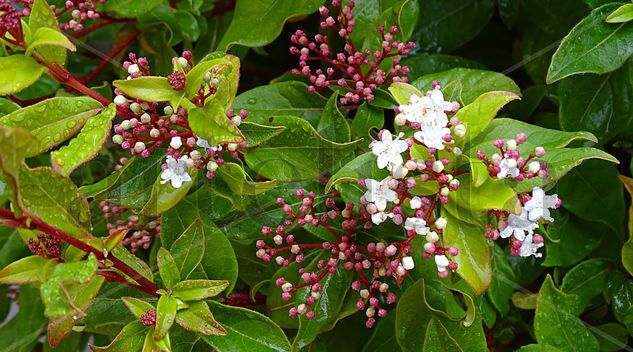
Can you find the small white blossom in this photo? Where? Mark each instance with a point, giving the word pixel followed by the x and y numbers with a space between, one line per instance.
pixel 528 247
pixel 399 172
pixel 380 217
pixel 176 171
pixel 407 263
pixel 416 224
pixel 203 143
pixel 442 263
pixel 176 142
pixel 132 69
pixel 534 167
pixel 388 150
pixel 441 223
pixel 518 226
pixel 508 168
pixel 415 203
pixel 379 193
pixel 432 136
pixel 538 207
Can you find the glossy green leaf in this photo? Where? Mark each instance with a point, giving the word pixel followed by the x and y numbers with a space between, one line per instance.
pixel 446 25
pixel 363 166
pixel 332 124
pixel 611 337
pixel 503 282
pixel 129 339
pixel 474 259
pixel 622 304
pixel 137 306
pixel 592 46
pixel 246 330
pixel 198 319
pixel 52 121
pixel 45 36
pixel 402 92
pixel 465 85
pixel 211 124
pixel 151 88
pixel 587 279
pixel 556 321
pixel 195 76
pixel 187 249
pixel 131 8
pixel 238 181
pixel 165 196
pixel 257 24
pixel 42 16
pixel 197 290
pixel 31 269
pixel 18 72
pixel 168 269
pixel 470 200
pixel 7 106
pixel 366 119
pixel 21 333
pixel 538 348
pixel 525 301
pixel 256 134
pixel 623 13
pixel 15 144
pixel 56 200
pixel 281 99
pixel 299 153
pixel 165 316
pixel 383 338
pixel 477 115
pixel 133 261
pixel 86 145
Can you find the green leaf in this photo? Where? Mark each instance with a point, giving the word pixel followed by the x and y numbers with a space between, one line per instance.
pixel 63 286
pixel 281 99
pixel 131 8
pixel 299 153
pixel 246 330
pixel 151 88
pixel 420 64
pixel 18 72
pixel 56 200
pixel 129 339
pixel 226 71
pixel 503 282
pixel 587 279
pixel 622 304
pixel 623 13
pixel 474 259
pixel 7 106
pixel 187 251
pixel 238 181
pixel 86 145
pixel 477 115
pixel 492 194
pixel 197 290
pixel 363 166
pixel 52 121
pixel 31 269
pixel 167 267
pixel 332 124
pixel 15 144
pixel 133 261
pixel 198 319
pixel 583 50
pixel 525 301
pixel 165 316
pixel 611 337
pixel 627 249
pixel 211 124
pixel 21 333
pixel 136 306
pixel 45 36
pixel 366 119
pixel 402 92
pixel 538 348
pixel 165 196
pixel 257 24
pixel 465 85
pixel 556 320
pixel 383 338
pixel 600 104
pixel 42 16
pixel 256 134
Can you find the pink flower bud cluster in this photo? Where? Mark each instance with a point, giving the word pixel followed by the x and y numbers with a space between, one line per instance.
pixel 139 235
pixel 80 11
pixel 45 246
pixel 509 163
pixel 149 318
pixel 148 125
pixel 378 266
pixel 10 25
pixel 358 72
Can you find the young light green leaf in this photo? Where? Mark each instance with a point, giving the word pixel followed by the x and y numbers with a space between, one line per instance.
pixel 129 339
pixel 188 249
pixel 15 144
pixel 31 269
pixel 136 306
pixel 164 196
pixel 45 36
pixel 363 166
pixel 86 145
pixel 477 115
pixel 42 16
pixel 168 269
pixel 52 121
pixel 165 316
pixel 402 92
pixel 622 14
pixel 198 319
pixel 151 88
pixel 211 124
pixel 18 72
pixel 583 50
pixel 197 290
pixel 238 181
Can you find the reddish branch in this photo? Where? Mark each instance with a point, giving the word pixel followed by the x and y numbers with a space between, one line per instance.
pixel 106 60
pixel 34 223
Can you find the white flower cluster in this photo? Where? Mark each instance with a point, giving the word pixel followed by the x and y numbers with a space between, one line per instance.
pixel 175 170
pixel 522 226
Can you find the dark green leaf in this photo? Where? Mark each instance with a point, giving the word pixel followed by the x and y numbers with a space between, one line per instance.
pixel 187 249
pixel 332 124
pixel 131 8
pixel 239 182
pixel 366 119
pixel 503 282
pixel 21 333
pixel 587 279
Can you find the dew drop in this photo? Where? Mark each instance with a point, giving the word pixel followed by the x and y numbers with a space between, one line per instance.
pixel 39 108
pixel 252 101
pixel 71 124
pixel 57 137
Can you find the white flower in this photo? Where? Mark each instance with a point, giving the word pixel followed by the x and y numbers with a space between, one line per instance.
pixel 442 263
pixel 379 193
pixel 528 247
pixel 416 224
pixel 415 203
pixel 518 225
pixel 176 142
pixel 176 171
pixel 432 136
pixel 399 172
pixel 380 217
pixel 388 150
pixel 441 223
pixel 407 263
pixel 538 207
pixel 203 143
pixel 508 167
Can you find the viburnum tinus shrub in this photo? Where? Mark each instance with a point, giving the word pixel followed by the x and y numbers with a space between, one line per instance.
pixel 302 175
